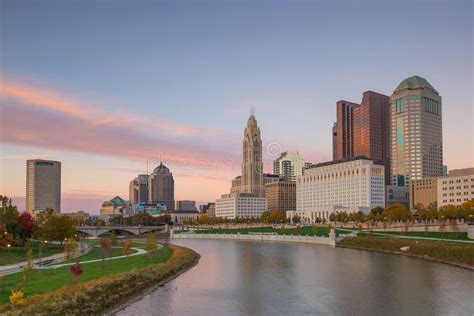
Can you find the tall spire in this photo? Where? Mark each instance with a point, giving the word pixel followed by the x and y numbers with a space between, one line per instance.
pixel 252 110
pixel 252 165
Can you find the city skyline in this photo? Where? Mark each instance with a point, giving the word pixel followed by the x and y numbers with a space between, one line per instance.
pixel 52 105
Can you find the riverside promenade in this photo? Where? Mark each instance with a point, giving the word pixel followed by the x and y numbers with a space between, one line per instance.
pixel 328 241
pixel 83 249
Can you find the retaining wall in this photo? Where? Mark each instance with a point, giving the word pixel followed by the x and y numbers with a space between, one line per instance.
pixel 329 241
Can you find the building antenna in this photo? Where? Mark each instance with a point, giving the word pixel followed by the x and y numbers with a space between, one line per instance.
pixel 252 110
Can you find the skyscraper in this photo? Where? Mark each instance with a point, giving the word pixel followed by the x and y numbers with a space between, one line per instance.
pixel 416 132
pixel 138 190
pixel 161 187
pixel 43 185
pixel 364 130
pixel 252 164
pixel 343 136
pixel 289 165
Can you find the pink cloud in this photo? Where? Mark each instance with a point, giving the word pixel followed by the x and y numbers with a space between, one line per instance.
pixel 54 101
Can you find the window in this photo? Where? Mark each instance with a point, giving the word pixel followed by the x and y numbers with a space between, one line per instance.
pixel 399 104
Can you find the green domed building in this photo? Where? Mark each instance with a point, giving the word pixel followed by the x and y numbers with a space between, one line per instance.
pixel 416 132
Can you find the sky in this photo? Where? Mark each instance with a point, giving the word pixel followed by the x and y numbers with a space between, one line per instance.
pixel 111 88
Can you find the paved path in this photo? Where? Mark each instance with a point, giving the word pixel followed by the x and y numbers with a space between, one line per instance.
pixel 139 252
pixel 84 248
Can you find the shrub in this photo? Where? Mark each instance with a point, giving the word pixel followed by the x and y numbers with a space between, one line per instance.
pixel 92 297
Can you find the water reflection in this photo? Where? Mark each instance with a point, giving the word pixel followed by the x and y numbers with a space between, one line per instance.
pixel 236 278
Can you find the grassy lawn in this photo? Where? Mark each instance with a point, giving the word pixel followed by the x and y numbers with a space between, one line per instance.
pixel 18 254
pixel 446 235
pixel 321 231
pixel 52 279
pixel 96 254
pixel 462 253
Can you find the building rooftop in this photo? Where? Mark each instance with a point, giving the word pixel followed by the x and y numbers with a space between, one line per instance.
pixel 333 162
pixel 161 169
pixel 413 83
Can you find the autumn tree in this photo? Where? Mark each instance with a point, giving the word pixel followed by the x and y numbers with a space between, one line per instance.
pixel 70 248
pixel 315 229
pixel 113 239
pixel 454 226
pixel 26 224
pixel 54 227
pixel 76 270
pixel 105 251
pixel 127 247
pixel 151 244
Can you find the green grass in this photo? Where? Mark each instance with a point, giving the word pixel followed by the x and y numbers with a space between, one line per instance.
pixel 306 230
pixel 51 279
pixel 462 253
pixel 446 235
pixel 18 254
pixel 96 254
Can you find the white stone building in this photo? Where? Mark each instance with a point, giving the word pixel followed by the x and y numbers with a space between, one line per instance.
pixel 456 188
pixel 351 185
pixel 240 205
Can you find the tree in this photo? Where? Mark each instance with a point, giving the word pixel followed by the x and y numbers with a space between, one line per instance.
pixel 442 227
pixel 5 237
pixel 9 215
pixel 52 226
pixel 377 211
pixel 397 212
pixel 298 229
pixel 105 249
pixel 296 219
pixel 315 229
pixel 26 223
pixel 454 226
pixel 151 244
pixel 113 239
pixel 332 217
pixel 70 248
pixel 29 265
pixel 76 270
pixel 127 247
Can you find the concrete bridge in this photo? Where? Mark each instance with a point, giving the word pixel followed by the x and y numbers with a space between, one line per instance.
pixel 133 230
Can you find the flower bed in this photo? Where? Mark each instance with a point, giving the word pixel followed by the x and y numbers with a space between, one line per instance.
pixel 100 294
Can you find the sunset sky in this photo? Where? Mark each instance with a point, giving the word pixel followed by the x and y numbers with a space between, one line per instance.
pixel 110 88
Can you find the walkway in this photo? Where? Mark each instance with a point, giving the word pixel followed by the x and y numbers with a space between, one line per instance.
pixel 139 252
pixel 84 248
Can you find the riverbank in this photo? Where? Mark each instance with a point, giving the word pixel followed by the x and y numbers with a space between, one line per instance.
pixel 458 254
pixel 101 294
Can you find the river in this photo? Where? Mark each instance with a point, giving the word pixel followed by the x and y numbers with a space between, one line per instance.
pixel 263 278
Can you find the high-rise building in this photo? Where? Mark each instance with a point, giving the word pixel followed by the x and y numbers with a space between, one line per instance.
pixel 138 189
pixel 43 185
pixel 364 130
pixel 455 188
pixel 343 135
pixel 186 206
pixel 240 205
pixel 289 165
pixel 161 187
pixel 416 132
pixel 281 196
pixel 423 191
pixel 252 164
pixel 351 185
